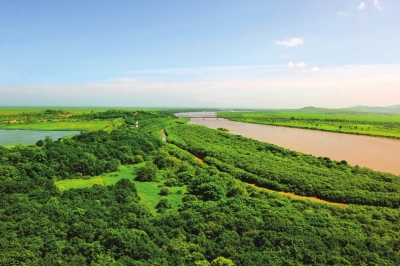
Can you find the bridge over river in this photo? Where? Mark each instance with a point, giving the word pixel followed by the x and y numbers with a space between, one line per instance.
pixel 203 115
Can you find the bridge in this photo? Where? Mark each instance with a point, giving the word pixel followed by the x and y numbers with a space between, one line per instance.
pixel 196 116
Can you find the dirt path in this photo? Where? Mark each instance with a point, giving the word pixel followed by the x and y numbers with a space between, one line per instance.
pixel 300 197
pixel 164 137
pixel 199 159
pixel 290 194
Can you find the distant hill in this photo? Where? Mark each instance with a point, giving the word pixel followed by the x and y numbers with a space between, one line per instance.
pixel 377 109
pixel 395 109
pixel 312 109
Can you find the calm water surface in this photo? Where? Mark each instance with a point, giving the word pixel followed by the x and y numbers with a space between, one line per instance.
pixel 12 137
pixel 376 153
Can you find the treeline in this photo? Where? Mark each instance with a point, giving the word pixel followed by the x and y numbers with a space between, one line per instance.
pixel 128 115
pixel 272 167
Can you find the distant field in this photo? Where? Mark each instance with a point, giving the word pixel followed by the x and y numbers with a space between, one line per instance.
pixel 148 191
pixel 57 118
pixel 12 110
pixel 59 125
pixel 335 120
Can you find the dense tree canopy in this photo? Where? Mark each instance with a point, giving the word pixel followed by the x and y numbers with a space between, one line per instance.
pixel 280 169
pixel 220 220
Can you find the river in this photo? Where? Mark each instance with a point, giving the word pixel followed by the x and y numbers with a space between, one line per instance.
pixel 13 137
pixel 379 154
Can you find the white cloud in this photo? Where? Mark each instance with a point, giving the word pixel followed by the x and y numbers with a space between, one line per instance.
pixel 290 64
pixel 291 42
pixel 315 69
pixel 300 64
pixel 361 6
pixel 374 85
pixel 377 5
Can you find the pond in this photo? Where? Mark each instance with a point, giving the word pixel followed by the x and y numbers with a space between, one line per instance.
pixel 13 137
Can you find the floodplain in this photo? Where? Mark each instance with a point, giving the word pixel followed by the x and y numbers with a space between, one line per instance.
pixel 334 120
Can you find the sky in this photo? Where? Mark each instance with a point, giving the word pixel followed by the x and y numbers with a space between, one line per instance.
pixel 200 53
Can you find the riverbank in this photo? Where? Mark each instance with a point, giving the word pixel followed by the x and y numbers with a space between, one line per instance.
pixel 386 125
pixel 326 128
pixel 379 154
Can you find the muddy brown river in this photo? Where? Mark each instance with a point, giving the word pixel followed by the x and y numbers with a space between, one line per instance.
pixel 379 154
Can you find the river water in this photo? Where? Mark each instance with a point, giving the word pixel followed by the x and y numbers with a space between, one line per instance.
pixel 379 154
pixel 12 137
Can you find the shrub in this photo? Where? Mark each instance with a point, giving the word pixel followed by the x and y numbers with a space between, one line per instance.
pixel 165 191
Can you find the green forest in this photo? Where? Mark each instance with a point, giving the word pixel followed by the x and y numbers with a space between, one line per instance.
pixel 202 197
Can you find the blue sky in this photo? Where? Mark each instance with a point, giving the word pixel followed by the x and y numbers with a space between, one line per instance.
pixel 259 54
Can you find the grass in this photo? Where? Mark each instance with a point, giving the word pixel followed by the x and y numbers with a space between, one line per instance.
pixel 104 180
pixel 62 126
pixel 36 118
pixel 149 194
pixel 334 120
pixel 78 183
pixel 148 191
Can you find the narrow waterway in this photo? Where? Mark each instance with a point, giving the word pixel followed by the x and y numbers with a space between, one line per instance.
pixel 379 154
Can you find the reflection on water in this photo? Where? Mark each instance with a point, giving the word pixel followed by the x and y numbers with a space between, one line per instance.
pixel 376 153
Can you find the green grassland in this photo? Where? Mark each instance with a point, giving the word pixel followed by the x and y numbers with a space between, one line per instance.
pixel 58 125
pixel 56 118
pixel 148 191
pixel 79 183
pixel 335 120
pixel 149 194
pixel 125 171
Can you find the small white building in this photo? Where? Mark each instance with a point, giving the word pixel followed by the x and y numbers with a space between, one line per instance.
pixel 136 125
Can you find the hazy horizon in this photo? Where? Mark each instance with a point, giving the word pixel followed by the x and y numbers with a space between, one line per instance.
pixel 202 54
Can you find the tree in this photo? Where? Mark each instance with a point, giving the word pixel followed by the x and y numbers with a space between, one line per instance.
pixel 133 243
pixel 125 191
pixel 113 165
pixel 40 143
pixel 221 261
pixel 47 140
pixel 147 173
pixel 8 171
pixel 204 188
pixel 165 191
pixel 162 205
